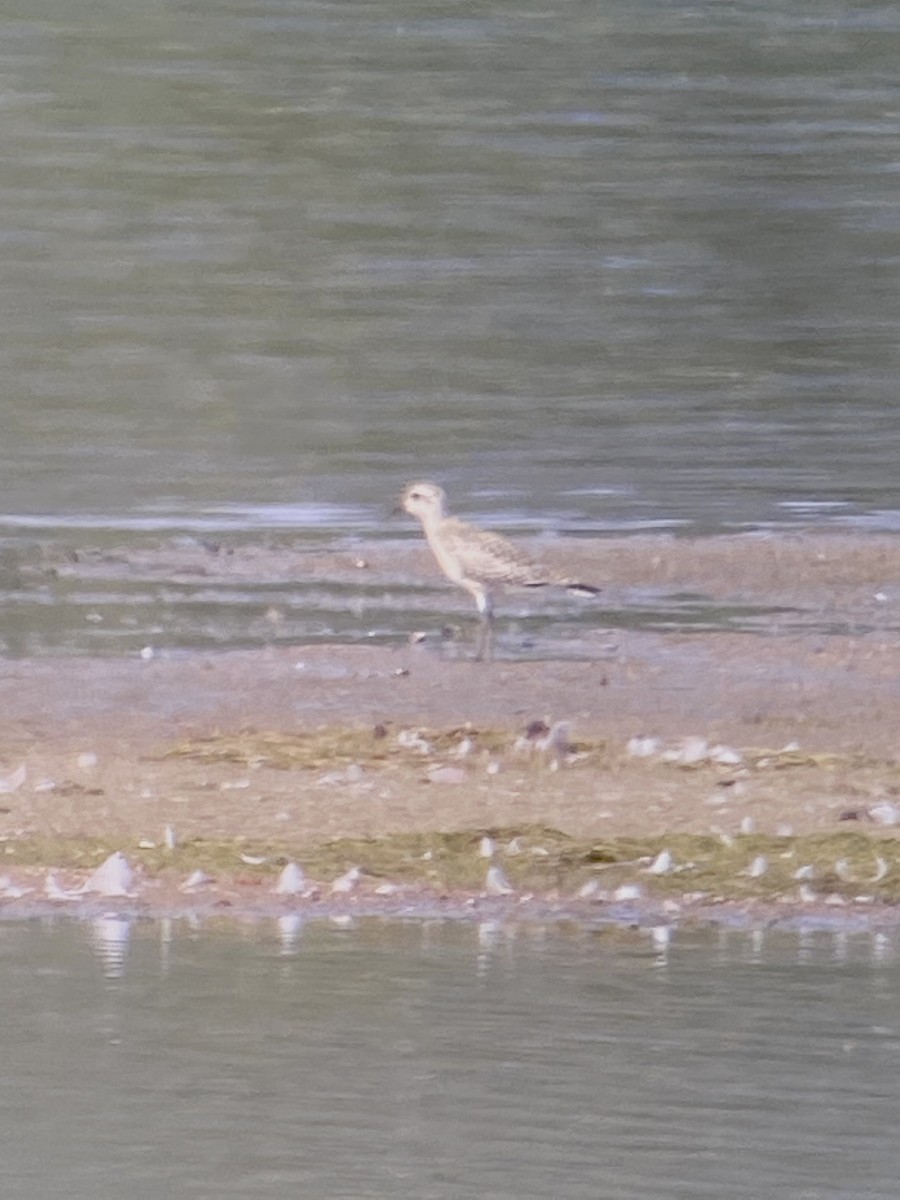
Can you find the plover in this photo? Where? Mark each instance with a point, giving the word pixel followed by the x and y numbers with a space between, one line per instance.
pixel 478 560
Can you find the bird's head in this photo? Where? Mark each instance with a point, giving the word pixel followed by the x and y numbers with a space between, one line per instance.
pixel 423 500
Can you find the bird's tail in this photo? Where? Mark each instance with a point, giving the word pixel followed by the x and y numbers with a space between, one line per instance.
pixel 572 586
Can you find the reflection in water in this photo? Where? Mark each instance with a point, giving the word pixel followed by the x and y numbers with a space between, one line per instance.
pixel 110 936
pixel 447 1059
pixel 290 927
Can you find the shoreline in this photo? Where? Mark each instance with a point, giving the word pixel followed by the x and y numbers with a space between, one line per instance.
pixel 231 905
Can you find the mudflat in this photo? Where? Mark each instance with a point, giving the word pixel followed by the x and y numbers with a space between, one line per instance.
pixel 749 741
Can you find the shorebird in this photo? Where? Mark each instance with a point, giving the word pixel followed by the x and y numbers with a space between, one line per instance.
pixel 478 560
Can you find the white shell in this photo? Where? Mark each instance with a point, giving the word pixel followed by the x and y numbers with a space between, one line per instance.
pixel 881 869
pixel 885 813
pixel 555 742
pixel 196 879
pixel 411 739
pixel 14 780
pixel 53 891
pixel 13 892
pixel 642 746
pixel 662 864
pixel 291 881
pixel 693 750
pixel 496 883
pixel 347 882
pixel 725 756
pixel 758 867
pixel 446 774
pixel 113 877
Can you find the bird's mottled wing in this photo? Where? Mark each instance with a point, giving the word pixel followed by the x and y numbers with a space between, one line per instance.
pixel 490 557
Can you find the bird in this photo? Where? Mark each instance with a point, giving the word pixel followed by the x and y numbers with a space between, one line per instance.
pixel 477 559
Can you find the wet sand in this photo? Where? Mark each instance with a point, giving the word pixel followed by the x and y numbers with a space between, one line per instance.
pixel 95 736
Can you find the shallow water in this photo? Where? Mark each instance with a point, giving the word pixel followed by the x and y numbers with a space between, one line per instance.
pixel 432 1060
pixel 263 261
pixel 180 595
